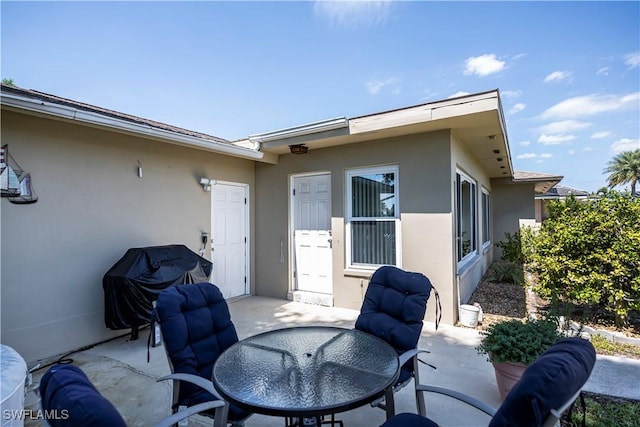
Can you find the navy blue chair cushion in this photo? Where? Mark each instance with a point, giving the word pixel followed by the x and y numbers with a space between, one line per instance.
pixel 196 328
pixel 409 420
pixel 547 384
pixel 71 400
pixel 393 309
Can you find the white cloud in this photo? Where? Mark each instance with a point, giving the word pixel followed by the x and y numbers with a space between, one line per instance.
pixel 511 93
pixel 526 156
pixel 588 105
pixel 632 59
pixel 604 71
pixel 517 108
pixel 457 94
pixel 483 65
pixel 520 56
pixel 588 148
pixel 525 143
pixel 354 14
pixel 555 139
pixel 546 155
pixel 563 126
pixel 374 86
pixel 557 76
pixel 572 152
pixel 625 144
pixel 600 135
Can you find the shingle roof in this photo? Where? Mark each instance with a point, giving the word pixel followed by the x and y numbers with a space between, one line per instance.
pixel 534 176
pixel 561 191
pixel 111 113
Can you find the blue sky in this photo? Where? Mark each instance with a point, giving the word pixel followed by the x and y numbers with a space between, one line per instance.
pixel 568 72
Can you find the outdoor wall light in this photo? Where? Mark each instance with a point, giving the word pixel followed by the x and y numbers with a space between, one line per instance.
pixel 207 183
pixel 298 149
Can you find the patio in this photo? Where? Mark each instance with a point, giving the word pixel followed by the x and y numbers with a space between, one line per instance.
pixel 119 368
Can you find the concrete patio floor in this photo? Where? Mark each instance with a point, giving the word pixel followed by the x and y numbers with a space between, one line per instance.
pixel 119 369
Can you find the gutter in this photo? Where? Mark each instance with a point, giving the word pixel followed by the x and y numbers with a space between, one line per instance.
pixel 143 130
pixel 307 129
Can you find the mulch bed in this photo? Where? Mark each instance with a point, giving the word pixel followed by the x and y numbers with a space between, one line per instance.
pixel 504 301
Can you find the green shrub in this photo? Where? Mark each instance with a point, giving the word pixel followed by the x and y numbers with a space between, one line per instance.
pixel 589 253
pixel 506 273
pixel 518 247
pixel 519 342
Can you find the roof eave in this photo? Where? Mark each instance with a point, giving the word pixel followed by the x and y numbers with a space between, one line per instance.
pixel 40 107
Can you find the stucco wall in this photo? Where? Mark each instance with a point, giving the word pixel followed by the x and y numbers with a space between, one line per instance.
pixel 469 275
pixel 513 202
pixel 424 201
pixel 92 207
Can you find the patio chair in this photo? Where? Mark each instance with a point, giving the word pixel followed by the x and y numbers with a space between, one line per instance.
pixel 196 328
pixel 393 309
pixel 69 399
pixel 548 387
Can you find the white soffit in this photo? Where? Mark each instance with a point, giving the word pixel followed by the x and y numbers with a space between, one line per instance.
pixel 442 110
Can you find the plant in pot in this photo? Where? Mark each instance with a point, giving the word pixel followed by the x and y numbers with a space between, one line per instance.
pixel 512 345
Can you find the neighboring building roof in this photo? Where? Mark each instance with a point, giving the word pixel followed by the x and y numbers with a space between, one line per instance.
pixel 40 103
pixel 561 192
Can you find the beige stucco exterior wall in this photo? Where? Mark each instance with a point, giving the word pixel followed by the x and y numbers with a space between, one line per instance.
pixel 513 203
pixel 92 207
pixel 425 213
pixel 469 275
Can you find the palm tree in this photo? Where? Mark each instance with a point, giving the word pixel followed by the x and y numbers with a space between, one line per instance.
pixel 624 168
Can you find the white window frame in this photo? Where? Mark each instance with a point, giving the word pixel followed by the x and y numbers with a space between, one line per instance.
pixel 349 174
pixel 485 198
pixel 460 177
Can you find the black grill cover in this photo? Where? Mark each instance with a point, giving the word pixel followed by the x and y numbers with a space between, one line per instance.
pixel 134 282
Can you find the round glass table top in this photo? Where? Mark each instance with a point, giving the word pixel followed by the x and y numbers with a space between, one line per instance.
pixel 306 371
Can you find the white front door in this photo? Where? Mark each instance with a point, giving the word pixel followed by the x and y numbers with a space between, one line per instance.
pixel 312 233
pixel 229 214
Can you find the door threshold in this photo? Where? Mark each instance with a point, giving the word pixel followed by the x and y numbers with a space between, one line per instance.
pixel 314 298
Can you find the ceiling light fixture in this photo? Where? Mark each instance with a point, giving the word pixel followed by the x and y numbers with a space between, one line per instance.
pixel 298 149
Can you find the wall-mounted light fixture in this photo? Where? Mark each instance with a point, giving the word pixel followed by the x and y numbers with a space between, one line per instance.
pixel 298 149
pixel 207 183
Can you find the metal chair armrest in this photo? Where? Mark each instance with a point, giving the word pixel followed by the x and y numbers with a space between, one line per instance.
pixel 409 354
pixel 478 404
pixel 194 379
pixel 186 413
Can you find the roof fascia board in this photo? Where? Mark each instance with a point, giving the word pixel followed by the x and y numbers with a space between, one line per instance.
pixel 146 131
pixel 503 126
pixel 440 110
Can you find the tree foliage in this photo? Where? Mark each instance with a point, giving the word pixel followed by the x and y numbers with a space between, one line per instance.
pixel 624 168
pixel 589 253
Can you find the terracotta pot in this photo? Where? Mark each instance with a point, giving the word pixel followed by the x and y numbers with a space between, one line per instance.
pixel 507 375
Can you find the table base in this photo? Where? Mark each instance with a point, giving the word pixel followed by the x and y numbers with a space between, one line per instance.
pixel 312 421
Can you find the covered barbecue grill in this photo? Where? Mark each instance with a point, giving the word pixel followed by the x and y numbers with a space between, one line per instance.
pixel 136 280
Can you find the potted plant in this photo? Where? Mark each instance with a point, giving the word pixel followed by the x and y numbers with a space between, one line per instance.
pixel 512 345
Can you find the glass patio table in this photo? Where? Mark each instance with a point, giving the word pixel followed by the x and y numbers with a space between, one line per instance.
pixel 306 372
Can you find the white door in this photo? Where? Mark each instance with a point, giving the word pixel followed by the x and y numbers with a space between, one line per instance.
pixel 229 213
pixel 312 233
